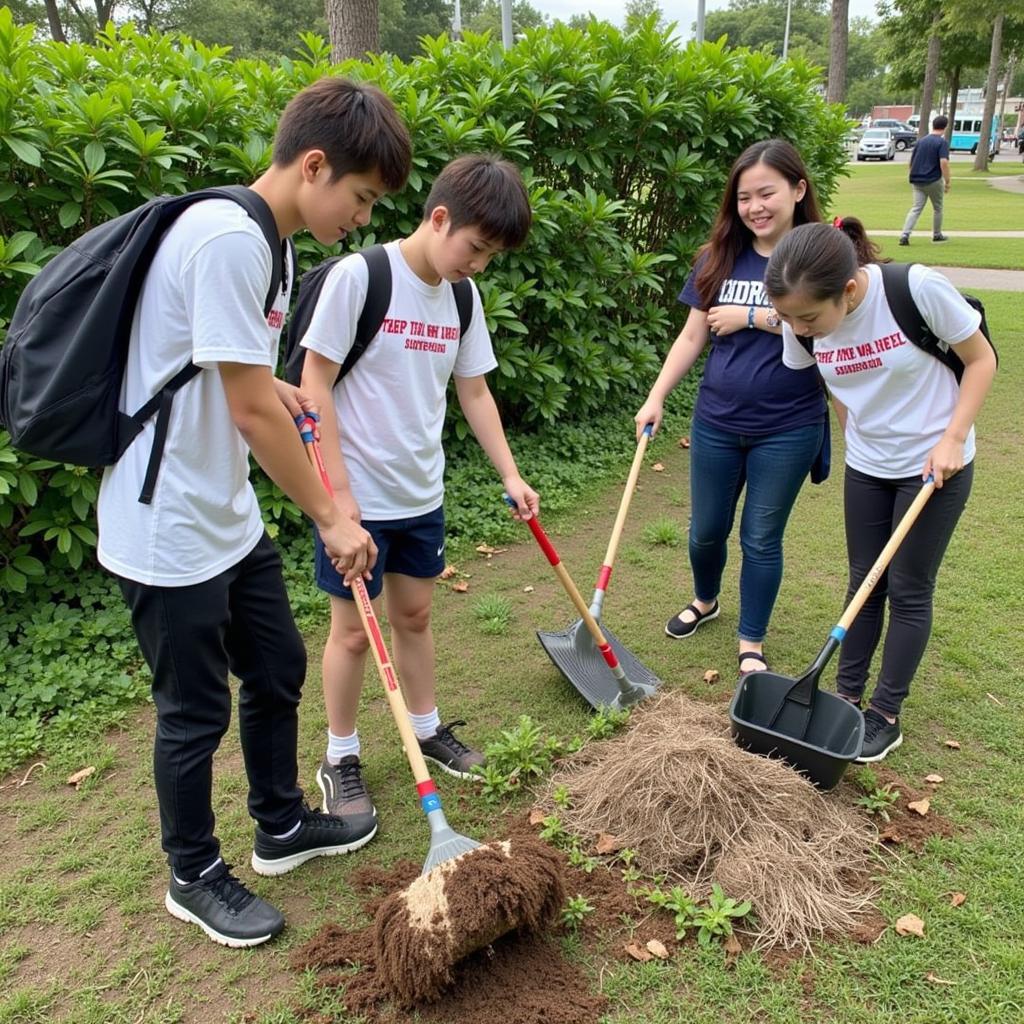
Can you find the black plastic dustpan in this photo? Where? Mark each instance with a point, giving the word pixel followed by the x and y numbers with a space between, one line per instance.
pixel 818 733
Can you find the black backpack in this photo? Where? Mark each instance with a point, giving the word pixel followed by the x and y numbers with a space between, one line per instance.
pixel 896 282
pixel 67 345
pixel 375 308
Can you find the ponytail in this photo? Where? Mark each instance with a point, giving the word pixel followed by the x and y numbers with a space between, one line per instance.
pixel 867 251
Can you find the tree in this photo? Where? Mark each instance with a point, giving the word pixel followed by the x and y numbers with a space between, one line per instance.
pixel 839 39
pixel 981 158
pixel 403 24
pixel 353 28
pixel 761 25
pixel 485 16
pixel 638 11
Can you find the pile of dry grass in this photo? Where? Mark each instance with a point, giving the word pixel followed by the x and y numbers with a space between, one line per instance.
pixel 693 806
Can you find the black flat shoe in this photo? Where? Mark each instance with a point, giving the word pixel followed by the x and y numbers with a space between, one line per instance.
pixel 677 627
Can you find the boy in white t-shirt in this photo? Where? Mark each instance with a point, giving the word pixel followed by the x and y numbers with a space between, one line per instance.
pixel 381 428
pixel 196 567
pixel 905 418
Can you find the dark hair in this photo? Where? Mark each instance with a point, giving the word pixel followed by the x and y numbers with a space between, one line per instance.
pixel 485 192
pixel 813 259
pixel 939 122
pixel 867 251
pixel 729 234
pixel 355 125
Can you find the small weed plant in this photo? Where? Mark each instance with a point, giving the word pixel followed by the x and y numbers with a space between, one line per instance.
pixel 713 920
pixel 678 902
pixel 575 911
pixel 877 800
pixel 493 613
pixel 663 532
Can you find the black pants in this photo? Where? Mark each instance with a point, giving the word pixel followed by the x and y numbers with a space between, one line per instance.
pixel 873 508
pixel 191 637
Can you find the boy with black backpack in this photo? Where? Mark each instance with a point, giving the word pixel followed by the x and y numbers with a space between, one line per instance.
pixel 197 569
pixel 381 428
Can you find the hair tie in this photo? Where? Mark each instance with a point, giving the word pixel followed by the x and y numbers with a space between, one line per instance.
pixel 837 222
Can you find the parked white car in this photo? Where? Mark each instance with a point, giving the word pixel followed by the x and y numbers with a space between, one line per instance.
pixel 876 144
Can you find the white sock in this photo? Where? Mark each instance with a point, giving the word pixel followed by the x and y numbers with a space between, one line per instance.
pixel 287 835
pixel 341 746
pixel 425 725
pixel 181 881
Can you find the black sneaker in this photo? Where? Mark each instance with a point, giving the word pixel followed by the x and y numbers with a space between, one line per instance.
pixel 450 754
pixel 224 908
pixel 940 237
pixel 880 737
pixel 345 793
pixel 904 240
pixel 318 835
pixel 677 627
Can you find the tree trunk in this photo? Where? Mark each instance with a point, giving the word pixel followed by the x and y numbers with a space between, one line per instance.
pixel 954 96
pixel 931 74
pixel 53 17
pixel 839 40
pixel 354 28
pixel 1011 70
pixel 981 157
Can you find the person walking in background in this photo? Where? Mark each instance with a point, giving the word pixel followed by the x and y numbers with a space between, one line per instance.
pixel 905 418
pixel 929 179
pixel 757 424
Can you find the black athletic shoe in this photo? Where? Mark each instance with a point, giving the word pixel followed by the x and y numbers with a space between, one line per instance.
pixel 904 240
pixel 318 835
pixel 345 793
pixel 224 908
pixel 940 237
pixel 450 754
pixel 880 737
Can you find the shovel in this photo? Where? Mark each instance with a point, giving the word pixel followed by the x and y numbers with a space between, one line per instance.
pixel 587 665
pixel 819 733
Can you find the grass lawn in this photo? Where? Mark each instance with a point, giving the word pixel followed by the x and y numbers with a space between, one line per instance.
pixel 84 938
pixel 996 253
pixel 880 195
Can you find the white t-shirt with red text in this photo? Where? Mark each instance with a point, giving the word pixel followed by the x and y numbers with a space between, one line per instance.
pixel 391 405
pixel 202 300
pixel 899 398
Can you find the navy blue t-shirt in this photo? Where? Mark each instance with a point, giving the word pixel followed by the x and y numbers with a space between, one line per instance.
pixel 746 389
pixel 924 161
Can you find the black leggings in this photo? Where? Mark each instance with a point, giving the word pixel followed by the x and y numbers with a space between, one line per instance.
pixel 191 637
pixel 873 508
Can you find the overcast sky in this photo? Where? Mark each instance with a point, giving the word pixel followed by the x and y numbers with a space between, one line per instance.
pixel 682 11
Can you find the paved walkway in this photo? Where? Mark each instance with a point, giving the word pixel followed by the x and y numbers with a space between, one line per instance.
pixel 979 277
pixel 952 234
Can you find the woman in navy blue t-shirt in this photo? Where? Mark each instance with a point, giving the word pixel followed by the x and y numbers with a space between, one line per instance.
pixel 757 424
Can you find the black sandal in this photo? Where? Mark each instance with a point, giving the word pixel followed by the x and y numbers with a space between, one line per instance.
pixel 677 627
pixel 759 656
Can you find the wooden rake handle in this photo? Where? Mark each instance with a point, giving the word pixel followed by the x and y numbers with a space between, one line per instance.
pixel 371 627
pixel 627 497
pixel 886 556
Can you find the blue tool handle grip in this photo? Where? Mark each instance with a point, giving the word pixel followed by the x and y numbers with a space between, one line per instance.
pixel 649 430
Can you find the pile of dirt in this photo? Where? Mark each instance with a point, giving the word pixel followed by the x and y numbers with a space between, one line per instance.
pixel 694 807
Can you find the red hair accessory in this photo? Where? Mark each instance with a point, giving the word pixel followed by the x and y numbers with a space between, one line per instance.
pixel 837 222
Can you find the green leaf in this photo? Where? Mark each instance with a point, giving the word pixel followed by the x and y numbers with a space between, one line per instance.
pixel 95 156
pixel 69 214
pixel 24 151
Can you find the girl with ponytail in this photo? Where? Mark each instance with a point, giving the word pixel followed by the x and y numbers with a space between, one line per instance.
pixel 904 418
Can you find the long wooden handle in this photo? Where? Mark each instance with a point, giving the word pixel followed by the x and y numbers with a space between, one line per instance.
pixel 627 497
pixel 378 648
pixel 883 560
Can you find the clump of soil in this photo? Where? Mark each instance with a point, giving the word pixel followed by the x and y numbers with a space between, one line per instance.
pixel 699 810
pixel 521 978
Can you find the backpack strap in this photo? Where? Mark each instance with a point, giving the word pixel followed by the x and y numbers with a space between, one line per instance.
pixel 896 284
pixel 375 305
pixel 464 304
pixel 282 253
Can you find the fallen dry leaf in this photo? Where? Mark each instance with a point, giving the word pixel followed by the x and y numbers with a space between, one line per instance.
pixel 920 806
pixel 448 572
pixel 79 777
pixel 461 587
pixel 527 590
pixel 934 780
pixel 936 980
pixel 995 700
pixel 684 442
pixel 485 549
pixel 608 844
pixel 732 949
pixel 658 468
pixel 958 899
pixel 953 744
pixel 537 816
pixel 910 924
pixel 657 948
pixel 637 952
pixel 891 835
pixel 711 676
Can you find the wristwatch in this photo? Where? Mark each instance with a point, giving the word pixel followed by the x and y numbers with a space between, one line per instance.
pixel 772 319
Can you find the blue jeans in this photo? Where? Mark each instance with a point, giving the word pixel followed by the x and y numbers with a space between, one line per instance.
pixel 772 467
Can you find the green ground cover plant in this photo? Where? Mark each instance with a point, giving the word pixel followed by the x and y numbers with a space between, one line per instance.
pixel 988 253
pixel 84 938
